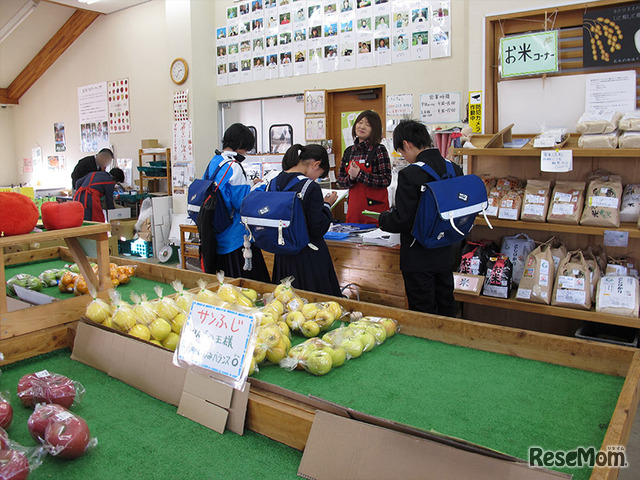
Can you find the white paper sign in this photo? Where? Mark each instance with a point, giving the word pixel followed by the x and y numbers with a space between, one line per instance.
pixel 616 238
pixel 217 339
pixel 440 107
pixel 615 91
pixel 400 105
pixel 556 160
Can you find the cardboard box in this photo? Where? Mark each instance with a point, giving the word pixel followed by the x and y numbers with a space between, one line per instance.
pixel 358 449
pixel 140 364
pixel 150 143
pixel 213 404
pixel 123 229
pixel 116 213
pixel 113 245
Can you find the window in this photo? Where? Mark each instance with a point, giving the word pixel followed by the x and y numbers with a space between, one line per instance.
pixel 255 140
pixel 280 137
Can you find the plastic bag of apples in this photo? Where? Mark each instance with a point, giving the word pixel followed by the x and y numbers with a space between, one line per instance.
pixel 16 461
pixel 46 387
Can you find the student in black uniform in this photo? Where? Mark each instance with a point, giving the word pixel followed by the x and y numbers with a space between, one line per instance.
pixel 312 268
pixel 92 163
pixel 427 273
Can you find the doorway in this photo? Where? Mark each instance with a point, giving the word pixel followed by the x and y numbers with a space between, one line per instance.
pixel 343 106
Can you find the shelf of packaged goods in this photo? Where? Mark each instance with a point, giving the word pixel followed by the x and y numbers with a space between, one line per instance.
pixel 564 312
pixel 632 228
pixel 479 141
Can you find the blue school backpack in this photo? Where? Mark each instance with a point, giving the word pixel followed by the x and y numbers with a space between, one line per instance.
pixel 276 219
pixel 448 206
pixel 205 200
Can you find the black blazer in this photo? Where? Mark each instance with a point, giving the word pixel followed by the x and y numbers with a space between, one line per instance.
pixel 83 167
pixel 413 256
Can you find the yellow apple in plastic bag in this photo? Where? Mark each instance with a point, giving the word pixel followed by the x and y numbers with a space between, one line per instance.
pixel 310 329
pixel 178 322
pixel 352 346
pixel 276 305
pixel 250 293
pixel 368 341
pixel 108 322
pixel 374 328
pixel 390 325
pixel 124 319
pixel 335 308
pixel 160 329
pixel 338 356
pixel 243 301
pixel 319 362
pixel 140 331
pixel 155 342
pixel 309 310
pixel 227 293
pixel 295 320
pixel 275 355
pixel 260 353
pixel 171 342
pixel 284 328
pixel 98 310
pixel 325 318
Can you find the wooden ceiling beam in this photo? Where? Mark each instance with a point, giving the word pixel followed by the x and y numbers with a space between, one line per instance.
pixel 61 40
pixel 4 98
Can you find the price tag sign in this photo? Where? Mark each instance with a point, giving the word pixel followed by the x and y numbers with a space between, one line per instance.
pixel 616 238
pixel 217 339
pixel 556 160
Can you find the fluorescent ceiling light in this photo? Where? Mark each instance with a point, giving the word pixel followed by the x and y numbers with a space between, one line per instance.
pixel 17 19
pixel 88 2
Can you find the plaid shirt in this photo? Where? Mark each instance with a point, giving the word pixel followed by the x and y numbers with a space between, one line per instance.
pixel 380 176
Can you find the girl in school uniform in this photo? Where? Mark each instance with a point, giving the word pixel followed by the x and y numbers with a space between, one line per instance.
pixel 312 268
pixel 366 169
pixel 226 170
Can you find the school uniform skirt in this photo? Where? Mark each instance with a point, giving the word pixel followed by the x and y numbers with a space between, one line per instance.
pixel 312 270
pixel 232 265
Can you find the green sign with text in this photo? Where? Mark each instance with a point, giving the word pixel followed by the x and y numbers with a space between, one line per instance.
pixel 529 54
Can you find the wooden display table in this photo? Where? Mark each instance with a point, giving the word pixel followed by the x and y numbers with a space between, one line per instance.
pixel 186 247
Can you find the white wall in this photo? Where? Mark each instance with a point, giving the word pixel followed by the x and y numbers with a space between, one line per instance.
pixel 10 166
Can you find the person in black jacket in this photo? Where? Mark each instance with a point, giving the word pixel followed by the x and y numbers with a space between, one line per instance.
pixel 427 273
pixel 312 268
pixel 92 163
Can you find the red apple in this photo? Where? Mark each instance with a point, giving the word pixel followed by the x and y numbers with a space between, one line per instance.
pixel 61 390
pixel 26 390
pixel 67 438
pixel 4 440
pixel 40 418
pixel 6 413
pixel 13 465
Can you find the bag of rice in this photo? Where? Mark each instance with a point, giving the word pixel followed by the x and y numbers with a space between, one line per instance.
pixel 517 248
pixel 630 121
pixel 536 284
pixel 629 140
pixel 558 251
pixel 602 203
pixel 601 256
pixel 622 265
pixel 475 256
pixel 630 207
pixel 509 183
pixel 489 181
pixel 599 140
pixel 572 287
pixel 536 201
pixel 567 201
pixel 497 281
pixel 510 205
pixel 618 295
pixel 598 121
pixel 493 200
pixel 594 272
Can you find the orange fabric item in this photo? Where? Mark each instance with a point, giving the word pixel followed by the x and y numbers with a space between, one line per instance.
pixel 62 215
pixel 19 214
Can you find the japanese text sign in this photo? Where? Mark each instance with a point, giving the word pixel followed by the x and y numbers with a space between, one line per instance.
pixel 556 160
pixel 529 54
pixel 217 339
pixel 475 111
pixel 440 107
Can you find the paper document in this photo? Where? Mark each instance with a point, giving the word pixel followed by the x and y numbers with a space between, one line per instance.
pixel 341 194
pixel 380 237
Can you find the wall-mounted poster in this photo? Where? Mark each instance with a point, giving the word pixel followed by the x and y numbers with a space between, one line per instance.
pixel 119 113
pixel 181 105
pixel 611 35
pixel 315 128
pixel 94 116
pixel 59 138
pixel 314 101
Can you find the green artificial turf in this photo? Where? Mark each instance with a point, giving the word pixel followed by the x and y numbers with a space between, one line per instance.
pixel 137 284
pixel 497 401
pixel 140 437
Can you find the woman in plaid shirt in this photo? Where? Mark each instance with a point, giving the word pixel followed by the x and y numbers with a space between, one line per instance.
pixel 365 169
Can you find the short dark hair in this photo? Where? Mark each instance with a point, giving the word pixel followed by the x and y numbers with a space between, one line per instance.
pixel 297 153
pixel 376 126
pixel 238 137
pixel 117 174
pixel 413 132
pixel 106 151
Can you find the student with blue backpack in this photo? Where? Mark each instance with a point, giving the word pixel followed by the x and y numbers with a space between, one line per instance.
pixel 311 267
pixel 427 272
pixel 222 244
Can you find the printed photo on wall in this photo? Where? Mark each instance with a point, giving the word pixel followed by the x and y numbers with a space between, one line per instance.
pixel 60 141
pixel 314 101
pixel 315 128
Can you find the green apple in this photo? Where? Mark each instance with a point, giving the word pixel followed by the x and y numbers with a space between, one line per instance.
pixel 171 342
pixel 374 328
pixel 250 293
pixel 178 322
pixel 160 329
pixel 319 362
pixel 310 329
pixel 390 325
pixel 352 346
pixel 338 356
pixel 140 331
pixel 368 341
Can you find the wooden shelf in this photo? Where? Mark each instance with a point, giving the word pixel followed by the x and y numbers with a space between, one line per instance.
pixel 479 141
pixel 91 228
pixel 564 312
pixel 166 153
pixel 633 230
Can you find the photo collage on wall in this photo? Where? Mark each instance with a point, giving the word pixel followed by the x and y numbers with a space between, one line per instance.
pixel 266 39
